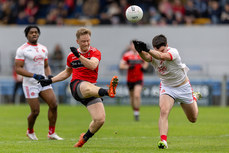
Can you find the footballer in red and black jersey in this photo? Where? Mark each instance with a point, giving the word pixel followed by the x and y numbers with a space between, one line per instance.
pixel 133 60
pixel 79 71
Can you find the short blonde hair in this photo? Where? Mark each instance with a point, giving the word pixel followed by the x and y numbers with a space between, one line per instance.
pixel 82 31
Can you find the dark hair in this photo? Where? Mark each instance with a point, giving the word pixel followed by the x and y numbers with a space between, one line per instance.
pixel 159 40
pixel 27 29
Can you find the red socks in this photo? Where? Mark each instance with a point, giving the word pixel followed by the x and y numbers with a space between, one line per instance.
pixel 30 131
pixel 51 130
pixel 163 137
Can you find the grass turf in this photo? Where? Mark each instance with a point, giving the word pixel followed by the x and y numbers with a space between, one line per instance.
pixel 120 133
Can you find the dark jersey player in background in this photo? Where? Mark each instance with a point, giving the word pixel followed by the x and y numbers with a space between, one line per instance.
pixel 83 64
pixel 132 62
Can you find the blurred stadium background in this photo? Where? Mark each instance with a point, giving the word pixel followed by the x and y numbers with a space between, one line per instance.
pixel 197 28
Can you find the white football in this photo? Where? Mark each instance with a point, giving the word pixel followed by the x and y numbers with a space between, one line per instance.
pixel 134 13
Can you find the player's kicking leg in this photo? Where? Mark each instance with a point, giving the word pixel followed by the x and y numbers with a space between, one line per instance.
pixel 191 109
pixel 112 87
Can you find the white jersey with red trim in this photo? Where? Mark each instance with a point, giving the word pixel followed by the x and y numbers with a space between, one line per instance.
pixel 172 73
pixel 34 57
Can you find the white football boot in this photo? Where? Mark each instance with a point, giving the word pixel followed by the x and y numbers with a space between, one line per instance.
pixel 54 136
pixel 31 136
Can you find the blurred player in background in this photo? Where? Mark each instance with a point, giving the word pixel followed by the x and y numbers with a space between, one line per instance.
pixel 17 86
pixel 175 85
pixel 31 62
pixel 135 66
pixel 83 65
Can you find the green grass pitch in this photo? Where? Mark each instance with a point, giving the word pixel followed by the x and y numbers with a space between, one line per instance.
pixel 120 133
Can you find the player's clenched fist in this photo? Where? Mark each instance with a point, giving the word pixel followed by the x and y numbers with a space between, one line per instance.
pixel 45 82
pixel 140 46
pixel 75 52
pixel 38 76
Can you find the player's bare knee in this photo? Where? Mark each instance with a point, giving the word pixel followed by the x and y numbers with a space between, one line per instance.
pixel 53 107
pixel 137 96
pixel 164 111
pixel 35 112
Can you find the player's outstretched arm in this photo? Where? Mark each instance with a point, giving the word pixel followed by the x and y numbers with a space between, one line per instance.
pixel 62 75
pixel 159 55
pixel 59 77
pixel 146 56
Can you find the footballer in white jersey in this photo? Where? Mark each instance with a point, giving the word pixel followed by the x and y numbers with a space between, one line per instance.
pixel 31 62
pixel 34 57
pixel 175 85
pixel 171 72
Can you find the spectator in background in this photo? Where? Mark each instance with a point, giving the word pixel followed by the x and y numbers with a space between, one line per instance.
pixel 7 13
pixel 190 12
pixel 166 12
pixel 214 11
pixel 52 16
pixel 106 11
pixel 56 59
pixel 77 12
pixel 124 5
pixel 178 11
pixel 165 7
pixel 112 14
pixel 154 16
pixel 21 5
pixel 225 14
pixel 132 62
pixel 178 7
pixel 22 18
pixel 201 7
pixel 70 4
pixel 43 8
pixel 58 10
pixel 31 9
pixel 91 8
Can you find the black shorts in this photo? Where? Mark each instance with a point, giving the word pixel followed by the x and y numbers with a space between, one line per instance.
pixel 74 86
pixel 132 84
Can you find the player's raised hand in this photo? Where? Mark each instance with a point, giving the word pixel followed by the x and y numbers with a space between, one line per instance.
pixel 38 76
pixel 45 82
pixel 144 47
pixel 140 46
pixel 75 52
pixel 137 46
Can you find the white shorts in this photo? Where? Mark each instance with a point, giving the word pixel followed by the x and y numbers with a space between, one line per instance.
pixel 182 94
pixel 33 91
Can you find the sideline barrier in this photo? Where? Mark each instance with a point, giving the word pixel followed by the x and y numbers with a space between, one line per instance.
pixel 208 88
